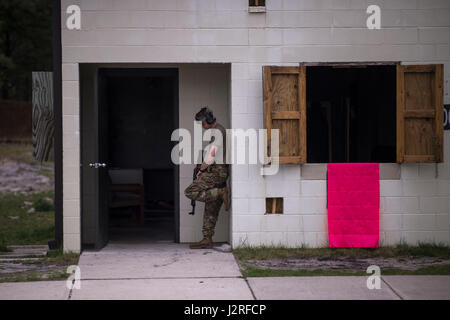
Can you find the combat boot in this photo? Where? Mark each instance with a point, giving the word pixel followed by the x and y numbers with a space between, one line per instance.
pixel 205 243
pixel 225 193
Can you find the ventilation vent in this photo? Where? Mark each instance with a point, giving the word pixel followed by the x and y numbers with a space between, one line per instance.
pixel 274 205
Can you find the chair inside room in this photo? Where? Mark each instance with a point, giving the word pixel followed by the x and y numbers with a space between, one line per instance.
pixel 126 191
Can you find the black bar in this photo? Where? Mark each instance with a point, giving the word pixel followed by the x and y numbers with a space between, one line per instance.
pixel 446 116
pixel 251 309
pixel 176 106
pixel 57 109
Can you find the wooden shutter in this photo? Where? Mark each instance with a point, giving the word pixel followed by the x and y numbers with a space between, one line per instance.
pixel 285 109
pixel 419 113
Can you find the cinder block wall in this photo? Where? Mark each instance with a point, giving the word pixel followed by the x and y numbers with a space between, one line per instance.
pixel 414 198
pixel 414 206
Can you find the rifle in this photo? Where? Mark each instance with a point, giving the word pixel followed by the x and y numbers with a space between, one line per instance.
pixel 196 170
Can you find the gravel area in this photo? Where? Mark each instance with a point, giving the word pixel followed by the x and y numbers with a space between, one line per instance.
pixel 18 176
pixel 405 263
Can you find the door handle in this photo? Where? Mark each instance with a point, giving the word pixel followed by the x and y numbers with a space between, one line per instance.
pixel 97 165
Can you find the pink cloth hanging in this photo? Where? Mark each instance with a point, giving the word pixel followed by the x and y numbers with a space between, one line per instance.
pixel 353 204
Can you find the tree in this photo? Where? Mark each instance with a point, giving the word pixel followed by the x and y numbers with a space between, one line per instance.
pixel 25 45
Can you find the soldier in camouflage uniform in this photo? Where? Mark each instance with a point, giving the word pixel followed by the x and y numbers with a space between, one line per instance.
pixel 210 186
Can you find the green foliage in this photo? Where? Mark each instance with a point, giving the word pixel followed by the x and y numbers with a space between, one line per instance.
pixel 43 205
pixel 278 252
pixel 25 45
pixel 27 228
pixel 401 251
pixel 58 257
pixel 35 276
pixel 52 267
pixel 3 247
pixel 251 271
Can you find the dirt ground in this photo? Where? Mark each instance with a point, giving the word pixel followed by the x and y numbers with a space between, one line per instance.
pixel 18 176
pixel 345 263
pixel 25 266
pixel 31 270
pixel 32 262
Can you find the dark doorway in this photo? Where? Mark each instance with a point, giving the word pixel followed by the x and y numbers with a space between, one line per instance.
pixel 137 188
pixel 351 113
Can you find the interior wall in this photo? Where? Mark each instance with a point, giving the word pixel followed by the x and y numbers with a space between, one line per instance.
pixel 88 95
pixel 202 85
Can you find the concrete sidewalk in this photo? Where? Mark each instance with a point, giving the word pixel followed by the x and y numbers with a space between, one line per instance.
pixel 173 271
pixel 351 288
pixel 159 271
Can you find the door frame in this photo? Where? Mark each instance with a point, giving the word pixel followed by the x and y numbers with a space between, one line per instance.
pixel 172 72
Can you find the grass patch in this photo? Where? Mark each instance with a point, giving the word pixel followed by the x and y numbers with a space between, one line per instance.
pixel 401 252
pixel 17 227
pixel 251 271
pixel 3 247
pixel 46 172
pixel 22 152
pixel 56 263
pixel 43 205
pixel 265 253
pixel 54 257
pixel 430 270
pixel 60 258
pixel 35 276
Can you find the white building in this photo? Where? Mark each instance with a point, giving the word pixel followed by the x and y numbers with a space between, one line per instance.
pixel 179 55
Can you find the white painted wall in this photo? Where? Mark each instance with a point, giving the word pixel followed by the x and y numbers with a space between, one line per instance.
pixel 414 208
pixel 201 85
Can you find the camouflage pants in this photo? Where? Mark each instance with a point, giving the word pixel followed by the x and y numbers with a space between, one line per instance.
pixel 206 189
